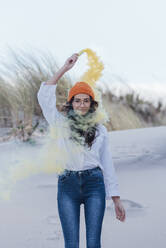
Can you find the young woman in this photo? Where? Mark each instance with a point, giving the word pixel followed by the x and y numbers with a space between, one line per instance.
pixel 93 180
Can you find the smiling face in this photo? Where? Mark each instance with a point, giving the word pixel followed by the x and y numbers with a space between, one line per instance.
pixel 81 103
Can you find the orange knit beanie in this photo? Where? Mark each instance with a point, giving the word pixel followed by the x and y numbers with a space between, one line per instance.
pixel 81 87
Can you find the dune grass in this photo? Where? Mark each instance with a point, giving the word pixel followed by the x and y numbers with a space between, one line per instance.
pixel 19 83
pixel 19 108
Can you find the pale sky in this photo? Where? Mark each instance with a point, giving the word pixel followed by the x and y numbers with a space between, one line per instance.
pixel 128 35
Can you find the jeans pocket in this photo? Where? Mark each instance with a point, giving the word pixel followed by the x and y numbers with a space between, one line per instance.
pixel 96 174
pixel 63 178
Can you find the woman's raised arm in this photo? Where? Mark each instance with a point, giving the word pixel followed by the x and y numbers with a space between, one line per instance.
pixel 46 94
pixel 67 66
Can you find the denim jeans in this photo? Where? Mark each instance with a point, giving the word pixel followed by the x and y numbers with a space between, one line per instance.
pixel 76 188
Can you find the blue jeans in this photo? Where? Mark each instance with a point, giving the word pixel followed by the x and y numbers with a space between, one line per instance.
pixel 75 188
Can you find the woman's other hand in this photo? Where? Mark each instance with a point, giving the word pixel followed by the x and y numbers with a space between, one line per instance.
pixel 119 210
pixel 70 62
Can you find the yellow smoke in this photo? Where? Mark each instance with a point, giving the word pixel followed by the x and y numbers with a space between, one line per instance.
pixel 57 149
pixel 95 68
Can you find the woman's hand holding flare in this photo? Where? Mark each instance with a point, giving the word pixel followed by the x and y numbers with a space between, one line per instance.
pixel 70 62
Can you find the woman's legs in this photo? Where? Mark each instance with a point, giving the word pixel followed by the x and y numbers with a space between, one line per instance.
pixel 69 210
pixel 94 208
pixel 88 188
pixel 69 213
pixel 94 213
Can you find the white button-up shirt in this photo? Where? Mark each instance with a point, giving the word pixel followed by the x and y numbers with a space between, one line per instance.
pixel 98 155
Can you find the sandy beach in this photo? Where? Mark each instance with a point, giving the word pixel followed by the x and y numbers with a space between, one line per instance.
pixel 30 219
